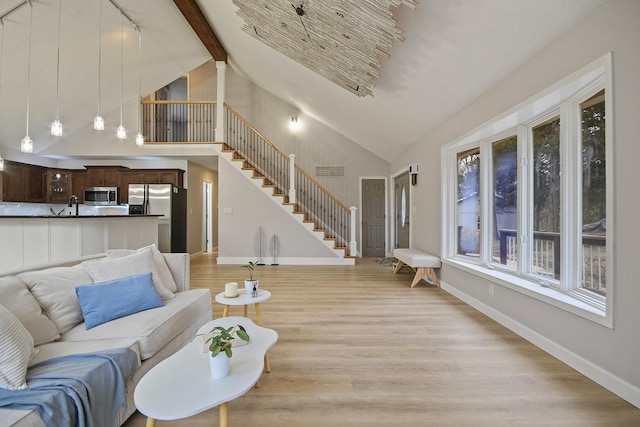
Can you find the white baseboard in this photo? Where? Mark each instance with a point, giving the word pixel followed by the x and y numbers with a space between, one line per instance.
pixel 291 261
pixel 606 379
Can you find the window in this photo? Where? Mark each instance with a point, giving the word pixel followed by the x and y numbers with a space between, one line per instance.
pixel 468 202
pixel 594 195
pixel 505 202
pixel 526 198
pixel 545 260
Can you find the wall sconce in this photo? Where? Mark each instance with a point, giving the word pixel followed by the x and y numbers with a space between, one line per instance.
pixel 294 124
pixel 413 171
pixel 1 164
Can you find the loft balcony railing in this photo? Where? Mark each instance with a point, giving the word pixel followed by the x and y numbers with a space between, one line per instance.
pixel 179 121
pixel 194 122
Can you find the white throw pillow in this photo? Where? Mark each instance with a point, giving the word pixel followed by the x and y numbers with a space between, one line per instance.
pixel 17 348
pixel 55 290
pixel 15 296
pixel 164 274
pixel 106 270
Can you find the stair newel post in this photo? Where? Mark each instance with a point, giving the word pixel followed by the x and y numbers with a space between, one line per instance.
pixel 221 67
pixel 352 244
pixel 292 178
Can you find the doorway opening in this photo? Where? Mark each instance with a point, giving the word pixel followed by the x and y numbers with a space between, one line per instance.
pixel 207 217
pixel 172 119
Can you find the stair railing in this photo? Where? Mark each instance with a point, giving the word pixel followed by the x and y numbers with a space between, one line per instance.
pixel 195 122
pixel 311 198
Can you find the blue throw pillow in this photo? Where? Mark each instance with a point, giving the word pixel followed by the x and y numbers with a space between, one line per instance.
pixel 106 301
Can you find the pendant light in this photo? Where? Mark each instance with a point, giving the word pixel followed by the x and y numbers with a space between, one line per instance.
pixel 121 132
pixel 56 125
pixel 139 136
pixel 26 145
pixel 98 121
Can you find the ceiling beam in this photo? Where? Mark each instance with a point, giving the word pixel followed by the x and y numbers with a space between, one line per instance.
pixel 194 16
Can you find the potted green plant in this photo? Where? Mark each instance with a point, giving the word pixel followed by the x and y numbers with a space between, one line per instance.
pixel 250 285
pixel 220 343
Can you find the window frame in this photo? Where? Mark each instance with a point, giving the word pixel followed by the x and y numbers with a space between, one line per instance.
pixel 562 99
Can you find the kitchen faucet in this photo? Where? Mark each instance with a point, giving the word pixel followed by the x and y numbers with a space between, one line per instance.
pixel 74 199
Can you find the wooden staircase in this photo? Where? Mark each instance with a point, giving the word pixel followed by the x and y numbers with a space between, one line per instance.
pixel 270 189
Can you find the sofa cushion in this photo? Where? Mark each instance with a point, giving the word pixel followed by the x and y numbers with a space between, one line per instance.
pixel 55 290
pixel 152 328
pixel 103 270
pixel 59 348
pixel 17 348
pixel 15 296
pixel 164 274
pixel 106 301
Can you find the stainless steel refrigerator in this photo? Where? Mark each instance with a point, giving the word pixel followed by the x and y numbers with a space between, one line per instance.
pixel 168 201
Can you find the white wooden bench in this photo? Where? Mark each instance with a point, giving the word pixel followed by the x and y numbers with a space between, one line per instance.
pixel 423 262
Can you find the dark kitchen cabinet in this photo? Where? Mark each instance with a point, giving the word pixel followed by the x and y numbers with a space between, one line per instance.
pixel 104 176
pixel 58 185
pixel 78 182
pixel 23 183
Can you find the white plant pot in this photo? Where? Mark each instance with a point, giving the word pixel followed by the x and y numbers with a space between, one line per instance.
pixel 219 365
pixel 248 286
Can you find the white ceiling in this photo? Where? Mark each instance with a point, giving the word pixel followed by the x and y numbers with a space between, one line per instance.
pixel 454 51
pixel 170 49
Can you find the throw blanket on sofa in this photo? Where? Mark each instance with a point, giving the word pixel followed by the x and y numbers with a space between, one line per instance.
pixel 85 390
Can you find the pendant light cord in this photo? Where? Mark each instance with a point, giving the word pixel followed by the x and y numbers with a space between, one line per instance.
pixel 29 63
pixel 1 51
pixel 139 74
pixel 121 66
pixel 99 52
pixel 58 64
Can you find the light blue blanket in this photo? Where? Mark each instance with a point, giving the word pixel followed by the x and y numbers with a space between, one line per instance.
pixel 85 390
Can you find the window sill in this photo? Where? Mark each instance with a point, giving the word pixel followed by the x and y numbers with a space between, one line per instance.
pixel 547 295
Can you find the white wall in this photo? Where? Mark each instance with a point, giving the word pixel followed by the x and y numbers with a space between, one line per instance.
pixel 314 144
pixel 242 209
pixel 610 356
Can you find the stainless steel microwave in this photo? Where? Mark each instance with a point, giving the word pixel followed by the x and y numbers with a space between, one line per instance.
pixel 101 196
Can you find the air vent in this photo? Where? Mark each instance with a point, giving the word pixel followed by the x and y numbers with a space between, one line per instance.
pixel 329 170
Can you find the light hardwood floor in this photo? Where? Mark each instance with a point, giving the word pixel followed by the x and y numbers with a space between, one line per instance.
pixel 358 347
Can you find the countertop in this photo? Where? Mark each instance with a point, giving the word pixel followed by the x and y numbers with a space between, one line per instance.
pixel 77 217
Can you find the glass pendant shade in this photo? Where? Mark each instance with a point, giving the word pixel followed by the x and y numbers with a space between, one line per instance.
pixel 98 122
pixel 121 132
pixel 56 128
pixel 26 145
pixel 139 139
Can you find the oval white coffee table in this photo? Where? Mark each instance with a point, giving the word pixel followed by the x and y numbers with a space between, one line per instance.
pixel 180 386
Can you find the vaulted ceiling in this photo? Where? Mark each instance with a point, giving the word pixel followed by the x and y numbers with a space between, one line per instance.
pixel 453 51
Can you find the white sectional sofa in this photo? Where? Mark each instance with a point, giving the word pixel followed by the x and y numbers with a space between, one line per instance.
pixel 45 302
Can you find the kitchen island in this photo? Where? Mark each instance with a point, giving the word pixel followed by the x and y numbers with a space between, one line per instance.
pixel 27 241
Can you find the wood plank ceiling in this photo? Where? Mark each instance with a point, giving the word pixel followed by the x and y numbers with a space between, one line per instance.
pixel 341 40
